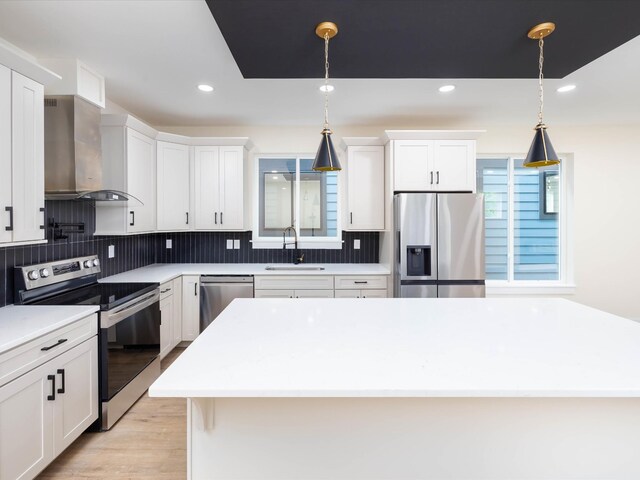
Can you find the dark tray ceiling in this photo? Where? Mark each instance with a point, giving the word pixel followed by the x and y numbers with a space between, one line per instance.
pixel 421 38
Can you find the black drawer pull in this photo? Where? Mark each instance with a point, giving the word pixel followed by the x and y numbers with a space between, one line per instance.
pixel 42 226
pixel 60 342
pixel 52 378
pixel 361 283
pixel 133 218
pixel 10 210
pixel 61 373
pixel 165 291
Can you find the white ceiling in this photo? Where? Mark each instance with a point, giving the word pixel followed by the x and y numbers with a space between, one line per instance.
pixel 154 53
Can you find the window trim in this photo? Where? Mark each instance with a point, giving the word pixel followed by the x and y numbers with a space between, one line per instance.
pixel 258 242
pixel 565 285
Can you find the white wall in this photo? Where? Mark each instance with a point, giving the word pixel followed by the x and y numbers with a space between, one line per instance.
pixel 606 221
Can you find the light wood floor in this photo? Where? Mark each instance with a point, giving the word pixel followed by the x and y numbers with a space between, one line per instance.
pixel 149 442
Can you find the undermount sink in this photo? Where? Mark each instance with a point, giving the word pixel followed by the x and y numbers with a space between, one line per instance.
pixel 292 267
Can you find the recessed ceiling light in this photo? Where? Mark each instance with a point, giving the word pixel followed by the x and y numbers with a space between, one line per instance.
pixel 203 87
pixel 566 88
pixel 327 88
pixel 447 88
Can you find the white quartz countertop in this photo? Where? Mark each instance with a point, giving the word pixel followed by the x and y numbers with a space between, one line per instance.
pixel 409 348
pixel 163 272
pixel 22 323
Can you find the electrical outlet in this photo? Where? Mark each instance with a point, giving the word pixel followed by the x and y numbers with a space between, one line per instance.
pixel 111 251
pixel 236 244
pixel 229 244
pixel 169 243
pixel 356 244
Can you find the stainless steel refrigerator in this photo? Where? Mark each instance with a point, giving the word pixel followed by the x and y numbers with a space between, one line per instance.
pixel 439 244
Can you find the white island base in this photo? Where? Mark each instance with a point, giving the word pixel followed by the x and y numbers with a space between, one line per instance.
pixel 414 438
pixel 411 389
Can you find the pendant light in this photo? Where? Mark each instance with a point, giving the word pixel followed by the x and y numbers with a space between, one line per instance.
pixel 541 152
pixel 326 158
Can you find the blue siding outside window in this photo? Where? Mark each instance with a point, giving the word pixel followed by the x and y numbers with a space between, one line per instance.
pixel 535 234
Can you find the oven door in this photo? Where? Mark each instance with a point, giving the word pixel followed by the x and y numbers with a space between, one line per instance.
pixel 129 341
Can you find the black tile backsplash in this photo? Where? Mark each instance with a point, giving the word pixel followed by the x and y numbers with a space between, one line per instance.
pixel 139 250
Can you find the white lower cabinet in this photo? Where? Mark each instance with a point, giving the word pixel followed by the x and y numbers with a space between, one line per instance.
pixel 44 410
pixel 361 286
pixel 177 311
pixel 170 315
pixel 321 286
pixel 190 307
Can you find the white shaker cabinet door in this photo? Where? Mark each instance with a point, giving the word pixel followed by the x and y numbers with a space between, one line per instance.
pixel 173 186
pixel 27 145
pixel 231 188
pixel 365 188
pixel 26 423
pixel 190 307
pixel 5 155
pixel 76 374
pixel 412 167
pixel 206 181
pixel 141 181
pixel 455 165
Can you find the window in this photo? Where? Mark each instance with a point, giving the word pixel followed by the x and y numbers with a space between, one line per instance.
pixel 290 193
pixel 524 222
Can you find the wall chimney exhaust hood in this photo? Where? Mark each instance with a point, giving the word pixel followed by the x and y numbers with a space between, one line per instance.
pixel 73 151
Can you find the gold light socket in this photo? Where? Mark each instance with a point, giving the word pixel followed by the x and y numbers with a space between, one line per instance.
pixel 328 28
pixel 542 30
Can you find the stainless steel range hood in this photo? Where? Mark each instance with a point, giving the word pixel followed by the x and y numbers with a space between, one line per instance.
pixel 73 151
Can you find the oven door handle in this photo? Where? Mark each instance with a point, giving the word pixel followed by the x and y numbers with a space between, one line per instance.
pixel 111 318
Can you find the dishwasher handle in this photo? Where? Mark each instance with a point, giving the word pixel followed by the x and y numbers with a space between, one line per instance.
pixel 215 279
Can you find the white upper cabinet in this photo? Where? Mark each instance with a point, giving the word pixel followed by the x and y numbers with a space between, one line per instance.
pixel 21 158
pixel 173 204
pixel 219 187
pixel 5 155
pixel 77 79
pixel 129 165
pixel 365 188
pixel 433 160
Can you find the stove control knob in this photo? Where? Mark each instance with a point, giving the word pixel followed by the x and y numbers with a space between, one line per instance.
pixel 44 273
pixel 88 264
pixel 33 275
pixel 96 263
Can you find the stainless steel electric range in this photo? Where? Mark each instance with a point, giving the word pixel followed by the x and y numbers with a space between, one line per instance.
pixel 129 329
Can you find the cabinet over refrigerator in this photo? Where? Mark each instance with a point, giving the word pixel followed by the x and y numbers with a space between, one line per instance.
pixel 439 245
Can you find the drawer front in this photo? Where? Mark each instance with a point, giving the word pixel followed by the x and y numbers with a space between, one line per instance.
pixel 166 290
pixel 348 293
pixel 373 294
pixel 36 352
pixel 273 293
pixel 294 282
pixel 361 282
pixel 313 294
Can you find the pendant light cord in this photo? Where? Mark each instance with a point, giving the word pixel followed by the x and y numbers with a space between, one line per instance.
pixel 326 80
pixel 540 78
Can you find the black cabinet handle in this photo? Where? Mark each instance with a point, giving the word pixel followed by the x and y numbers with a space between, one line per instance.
pixel 42 211
pixel 60 372
pixel 220 218
pixel 187 218
pixel 133 218
pixel 195 289
pixel 60 342
pixel 351 217
pixel 431 178
pixel 361 283
pixel 52 378
pixel 216 218
pixel 10 210
pixel 438 177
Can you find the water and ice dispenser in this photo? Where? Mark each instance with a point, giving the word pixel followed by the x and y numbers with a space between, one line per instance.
pixel 418 260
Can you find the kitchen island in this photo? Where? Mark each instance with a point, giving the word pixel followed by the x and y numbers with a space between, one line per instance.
pixel 411 388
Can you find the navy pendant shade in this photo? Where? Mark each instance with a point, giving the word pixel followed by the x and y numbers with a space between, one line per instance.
pixel 326 158
pixel 541 152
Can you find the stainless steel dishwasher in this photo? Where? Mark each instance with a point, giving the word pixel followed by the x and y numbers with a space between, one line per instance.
pixel 216 292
